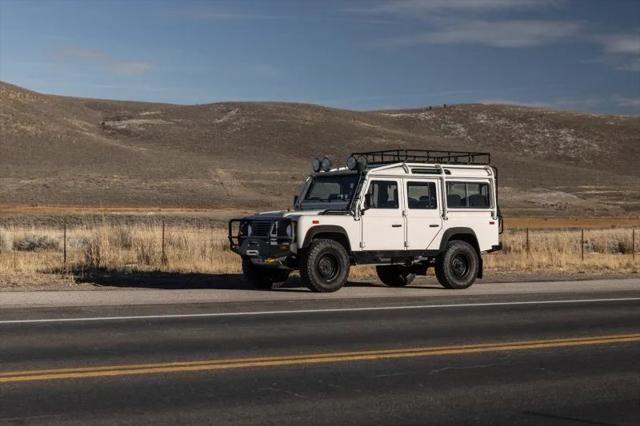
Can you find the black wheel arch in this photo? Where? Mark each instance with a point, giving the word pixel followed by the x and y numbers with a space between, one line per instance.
pixel 329 232
pixel 462 234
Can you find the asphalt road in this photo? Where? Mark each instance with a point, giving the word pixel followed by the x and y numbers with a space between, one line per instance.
pixel 517 356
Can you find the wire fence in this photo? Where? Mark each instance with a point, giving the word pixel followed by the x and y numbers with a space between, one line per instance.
pixel 158 246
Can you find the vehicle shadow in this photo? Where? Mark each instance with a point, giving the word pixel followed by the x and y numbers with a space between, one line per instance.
pixel 189 280
pixel 159 280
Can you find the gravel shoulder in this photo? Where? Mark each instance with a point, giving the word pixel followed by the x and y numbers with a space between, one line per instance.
pixel 159 280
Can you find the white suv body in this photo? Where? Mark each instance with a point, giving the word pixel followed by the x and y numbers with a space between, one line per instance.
pixel 403 216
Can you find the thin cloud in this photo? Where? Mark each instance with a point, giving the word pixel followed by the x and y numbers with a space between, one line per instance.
pixel 101 58
pixel 505 34
pixel 621 50
pixel 624 44
pixel 422 8
pixel 216 14
pixel 588 103
pixel 224 16
pixel 129 68
pixel 626 102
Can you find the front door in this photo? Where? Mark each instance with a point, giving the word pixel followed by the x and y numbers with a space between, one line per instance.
pixel 423 217
pixel 383 223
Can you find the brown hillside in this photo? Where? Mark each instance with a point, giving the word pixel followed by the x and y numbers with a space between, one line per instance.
pixel 67 151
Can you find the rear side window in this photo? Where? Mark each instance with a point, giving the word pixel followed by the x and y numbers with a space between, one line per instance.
pixel 384 194
pixel 461 195
pixel 421 195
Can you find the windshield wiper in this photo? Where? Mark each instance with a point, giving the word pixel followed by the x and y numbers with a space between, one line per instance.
pixel 335 211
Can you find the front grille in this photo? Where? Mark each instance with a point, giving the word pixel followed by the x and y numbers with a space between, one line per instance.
pixel 261 228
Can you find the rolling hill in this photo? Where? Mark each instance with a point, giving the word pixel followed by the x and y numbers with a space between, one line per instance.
pixel 98 153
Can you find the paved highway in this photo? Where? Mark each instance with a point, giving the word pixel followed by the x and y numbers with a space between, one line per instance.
pixel 552 353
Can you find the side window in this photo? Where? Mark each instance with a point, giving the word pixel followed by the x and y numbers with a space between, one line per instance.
pixel 384 194
pixel 468 195
pixel 421 195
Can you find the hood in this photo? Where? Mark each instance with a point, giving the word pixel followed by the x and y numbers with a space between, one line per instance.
pixel 283 213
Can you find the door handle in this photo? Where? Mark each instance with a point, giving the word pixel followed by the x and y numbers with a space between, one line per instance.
pixel 397 225
pixel 434 225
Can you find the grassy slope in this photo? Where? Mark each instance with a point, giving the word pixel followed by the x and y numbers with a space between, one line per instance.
pixel 93 153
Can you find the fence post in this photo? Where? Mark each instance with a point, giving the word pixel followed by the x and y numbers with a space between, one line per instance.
pixel 582 244
pixel 528 248
pixel 64 245
pixel 633 244
pixel 163 260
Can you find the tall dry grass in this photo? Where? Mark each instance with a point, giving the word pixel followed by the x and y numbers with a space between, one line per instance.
pixel 114 247
pixel 566 251
pixel 206 250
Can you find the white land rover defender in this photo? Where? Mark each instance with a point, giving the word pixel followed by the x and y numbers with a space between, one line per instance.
pixel 401 210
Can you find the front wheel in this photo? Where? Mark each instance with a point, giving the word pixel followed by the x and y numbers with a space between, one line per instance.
pixel 325 266
pixel 394 275
pixel 458 266
pixel 263 277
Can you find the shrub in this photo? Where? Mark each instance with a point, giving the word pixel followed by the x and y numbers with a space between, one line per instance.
pixel 122 237
pixel 93 251
pixel 36 243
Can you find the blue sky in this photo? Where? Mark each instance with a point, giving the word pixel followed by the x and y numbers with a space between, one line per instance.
pixel 570 54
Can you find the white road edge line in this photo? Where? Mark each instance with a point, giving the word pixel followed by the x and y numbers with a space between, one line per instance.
pixel 313 311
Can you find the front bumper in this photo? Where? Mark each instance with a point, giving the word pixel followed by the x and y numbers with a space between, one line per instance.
pixel 270 250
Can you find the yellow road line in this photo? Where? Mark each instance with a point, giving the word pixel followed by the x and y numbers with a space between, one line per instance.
pixel 309 359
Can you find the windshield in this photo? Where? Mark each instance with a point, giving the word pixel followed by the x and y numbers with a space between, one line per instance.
pixel 330 192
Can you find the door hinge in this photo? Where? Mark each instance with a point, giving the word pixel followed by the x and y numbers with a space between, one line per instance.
pixel 406 244
pixel 361 244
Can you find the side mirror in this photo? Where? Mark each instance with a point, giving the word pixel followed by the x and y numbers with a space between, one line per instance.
pixel 366 205
pixel 295 201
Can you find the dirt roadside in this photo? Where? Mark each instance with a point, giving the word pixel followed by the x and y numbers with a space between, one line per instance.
pixel 164 280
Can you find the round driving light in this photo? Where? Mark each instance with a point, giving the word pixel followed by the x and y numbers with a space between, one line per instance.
pixel 352 163
pixel 325 164
pixel 315 165
pixel 362 163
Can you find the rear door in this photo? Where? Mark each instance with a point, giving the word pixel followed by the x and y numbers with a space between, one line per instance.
pixel 423 217
pixel 383 223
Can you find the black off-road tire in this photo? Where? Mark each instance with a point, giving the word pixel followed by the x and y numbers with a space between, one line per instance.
pixel 324 266
pixel 458 266
pixel 263 277
pixel 395 275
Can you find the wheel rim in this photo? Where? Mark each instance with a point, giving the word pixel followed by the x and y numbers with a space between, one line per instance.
pixel 328 267
pixel 460 266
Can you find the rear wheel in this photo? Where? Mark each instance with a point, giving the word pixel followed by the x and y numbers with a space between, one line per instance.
pixel 324 266
pixel 395 275
pixel 458 266
pixel 263 277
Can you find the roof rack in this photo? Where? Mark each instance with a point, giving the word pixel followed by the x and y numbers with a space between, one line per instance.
pixel 424 156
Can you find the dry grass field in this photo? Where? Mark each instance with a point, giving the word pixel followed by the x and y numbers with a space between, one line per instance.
pixel 123 248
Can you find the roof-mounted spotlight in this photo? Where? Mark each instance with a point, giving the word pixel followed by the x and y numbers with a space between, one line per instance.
pixel 356 163
pixel 315 165
pixel 352 163
pixel 325 164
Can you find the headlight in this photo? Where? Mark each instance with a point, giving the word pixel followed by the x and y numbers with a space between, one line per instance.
pixel 290 230
pixel 249 230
